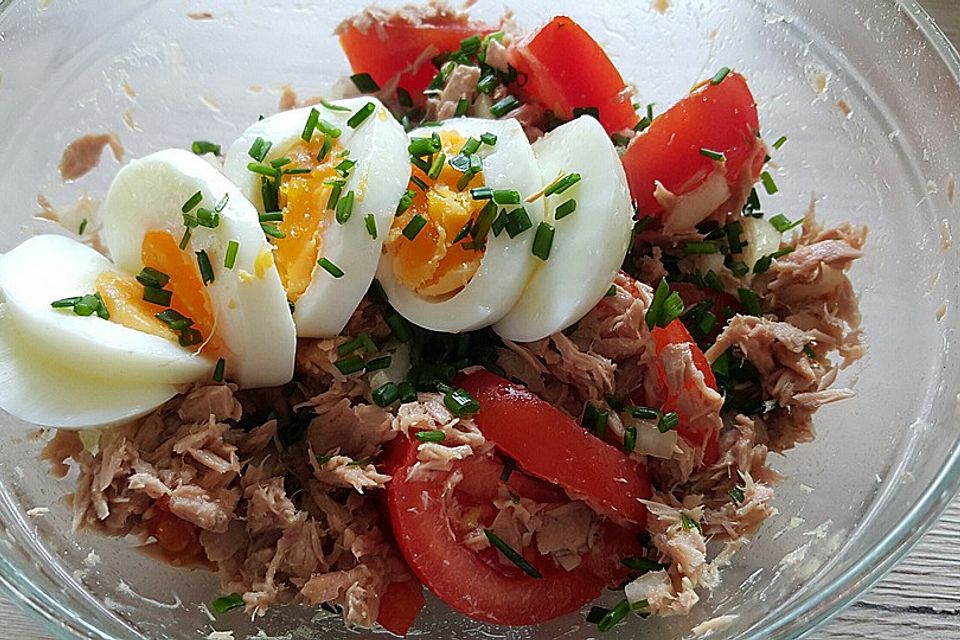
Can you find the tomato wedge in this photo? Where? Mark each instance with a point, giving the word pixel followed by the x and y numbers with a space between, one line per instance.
pixel 400 605
pixel 477 583
pixel 548 444
pixel 566 68
pixel 402 47
pixel 703 432
pixel 718 117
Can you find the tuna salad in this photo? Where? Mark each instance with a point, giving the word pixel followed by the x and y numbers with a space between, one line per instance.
pixel 480 324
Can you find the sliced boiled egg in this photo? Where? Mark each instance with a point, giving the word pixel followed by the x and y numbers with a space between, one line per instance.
pixel 328 180
pixel 62 369
pixel 176 216
pixel 459 251
pixel 590 219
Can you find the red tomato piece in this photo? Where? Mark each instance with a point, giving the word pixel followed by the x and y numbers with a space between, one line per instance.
pixel 566 68
pixel 719 117
pixel 702 433
pixel 482 478
pixel 176 536
pixel 400 605
pixel 477 584
pixel 402 47
pixel 548 444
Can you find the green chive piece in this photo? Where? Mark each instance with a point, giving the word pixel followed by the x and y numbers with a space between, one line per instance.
pixel 219 370
pixel 349 347
pixel 430 436
pixel 324 149
pixel 733 231
pixel 487 83
pixel 471 146
pixel 328 129
pixel 750 301
pixel 386 394
pixel 782 140
pixel 190 221
pixel 543 241
pixel 420 183
pixel 509 465
pixel 65 303
pixel 200 147
pixel 565 209
pixel 460 162
pixel 488 138
pixel 413 227
pixel 596 614
pixel 365 83
pixel 738 268
pixel 399 327
pixel 736 494
pixel 481 193
pixel 102 312
pixel 378 363
pixel 500 223
pixel 464 230
pixel 174 319
pixel 642 565
pixel 504 106
pixel 460 403
pixel 150 277
pixel 483 224
pixel 668 422
pixel 226 603
pixel 330 268
pixel 560 185
pixel 617 614
pixel 371 224
pixel 764 263
pixel 717 156
pixel 408 392
pixel 351 364
pixel 406 201
pixel 655 311
pixel 420 147
pixel 280 162
pixel 517 222
pixel 345 167
pixel 272 216
pixel 713 281
pixel 644 413
pixel 192 202
pixel 420 163
pixel 190 337
pixel 589 419
pixel 334 107
pixel 157 296
pixel 270 193
pixel 230 258
pixel 272 231
pixel 345 207
pixel 505 196
pixel 83 226
pixel 259 149
pixel 206 269
pixel 462 106
pixel 86 306
pixel 208 218
pixel 768 183
pixel 689 523
pixel 512 555
pixel 601 422
pixel 611 292
pixel 436 166
pixel 263 170
pixel 336 188
pixel 362 114
pixel 311 125
pixel 222 204
pixel 701 248
pixel 719 76
pixel 782 224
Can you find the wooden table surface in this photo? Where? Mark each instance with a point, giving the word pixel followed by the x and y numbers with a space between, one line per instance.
pixel 920 599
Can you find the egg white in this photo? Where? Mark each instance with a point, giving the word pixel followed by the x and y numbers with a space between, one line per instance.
pixel 507 262
pixel 379 179
pixel 589 245
pixel 249 304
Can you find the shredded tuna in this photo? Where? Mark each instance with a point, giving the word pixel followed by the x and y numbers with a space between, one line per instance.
pixel 83 154
pixel 461 85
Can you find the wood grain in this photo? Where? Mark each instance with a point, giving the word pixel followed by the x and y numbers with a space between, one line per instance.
pixel 920 599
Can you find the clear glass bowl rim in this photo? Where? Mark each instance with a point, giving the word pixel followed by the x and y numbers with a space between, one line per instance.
pixel 802 616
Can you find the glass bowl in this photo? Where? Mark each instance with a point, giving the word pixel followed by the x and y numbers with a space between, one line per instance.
pixel 866 91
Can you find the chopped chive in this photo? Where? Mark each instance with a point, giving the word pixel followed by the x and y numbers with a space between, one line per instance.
pixel 517 222
pixel 560 185
pixel 83 227
pixel 509 465
pixel 336 188
pixel 351 364
pixel 782 224
pixel 190 337
pixel 420 183
pixel 208 218
pixel 226 603
pixel 263 170
pixel 780 142
pixel 719 76
pixel 102 312
pixel 311 125
pixel 565 209
pixel 328 129
pixel 150 277
pixel 471 45
pixel 499 223
pixel 512 555
pixel 589 419
pixel 345 167
pixel 408 392
pixel 611 619
pixel 643 124
pixel 230 258
pixel 406 201
pixel 206 269
pixel 487 83
pixel 371 224
pixel 655 311
pixel 488 138
pixel 668 421
pixel 345 207
pixel 462 106
pixel 280 162
pixel 750 301
pixel 190 221
pixel 738 268
pixel 270 193
pixel 222 204
pixel 271 216
pixel 504 196
pixel 399 327
pixel 504 106
pixel 713 281
pixel 644 413
pixel 688 523
pixel 324 149
pixel 174 319
pixel 460 162
pixel 481 193
pixel 272 231
pixel 404 98
pixel 611 292
pixel 736 494
pixel 601 422
pixel 386 394
pixel 158 296
pixel 763 264
pixel 420 163
pixel 471 146
pixel 420 146
pixel 192 202
pixel 362 114
pixel 378 363
pixel 334 107
pixel 436 166
pixel 460 403
pixel 643 565
pixel 701 248
pixel 200 147
pixel 86 306
pixel 219 370
pixel 543 241
pixel 330 268
pixel 809 352
pixel 733 231
pixel 717 156
pixel 413 227
pixel 365 83
pixel 65 303
pixel 483 224
pixel 349 347
pixel 768 183
pixel 596 614
pixel 464 230
pixel 430 436
pixel 259 149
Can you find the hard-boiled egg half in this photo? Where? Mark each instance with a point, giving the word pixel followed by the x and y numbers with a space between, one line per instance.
pixel 192 293
pixel 459 251
pixel 585 236
pixel 327 181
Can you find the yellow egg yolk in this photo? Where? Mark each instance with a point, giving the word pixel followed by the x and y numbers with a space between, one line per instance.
pixel 431 264
pixel 123 294
pixel 305 202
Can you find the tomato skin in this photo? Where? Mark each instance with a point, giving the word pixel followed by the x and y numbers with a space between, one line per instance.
pixel 720 117
pixel 705 434
pixel 566 68
pixel 476 584
pixel 396 46
pixel 400 605
pixel 548 444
